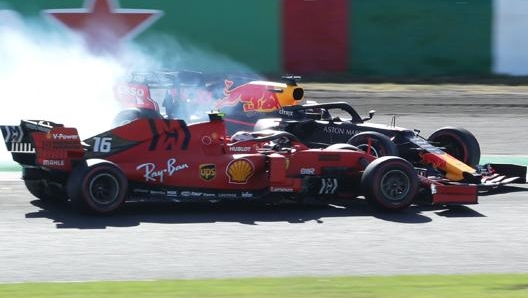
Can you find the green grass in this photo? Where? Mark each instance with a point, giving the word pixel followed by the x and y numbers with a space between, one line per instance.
pixel 427 286
pixel 9 167
pixel 517 160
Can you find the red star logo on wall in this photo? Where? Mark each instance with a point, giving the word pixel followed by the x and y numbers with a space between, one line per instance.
pixel 103 24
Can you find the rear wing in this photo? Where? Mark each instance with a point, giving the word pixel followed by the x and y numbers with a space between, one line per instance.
pixel 43 144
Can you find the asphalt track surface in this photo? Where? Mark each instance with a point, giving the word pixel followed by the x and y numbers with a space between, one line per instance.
pixel 49 242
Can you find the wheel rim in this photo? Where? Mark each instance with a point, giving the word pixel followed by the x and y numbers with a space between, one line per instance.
pixel 104 189
pixel 370 149
pixel 395 185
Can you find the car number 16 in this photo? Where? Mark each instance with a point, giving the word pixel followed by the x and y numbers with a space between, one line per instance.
pixel 102 144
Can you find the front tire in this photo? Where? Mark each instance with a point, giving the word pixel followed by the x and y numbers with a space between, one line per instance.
pixel 342 146
pixel 390 183
pixel 457 142
pixel 375 143
pixel 98 187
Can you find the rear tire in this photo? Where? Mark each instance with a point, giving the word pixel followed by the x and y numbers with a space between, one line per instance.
pixel 390 183
pixel 375 143
pixel 98 187
pixel 126 116
pixel 457 142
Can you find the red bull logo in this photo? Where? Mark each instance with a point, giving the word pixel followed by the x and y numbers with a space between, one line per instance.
pixel 254 96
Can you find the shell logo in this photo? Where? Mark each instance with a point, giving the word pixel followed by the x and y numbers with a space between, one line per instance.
pixel 239 171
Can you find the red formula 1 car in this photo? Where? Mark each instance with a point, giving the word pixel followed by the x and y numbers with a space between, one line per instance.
pixel 450 155
pixel 163 159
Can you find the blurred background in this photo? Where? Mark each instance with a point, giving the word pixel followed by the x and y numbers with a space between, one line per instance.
pixel 320 39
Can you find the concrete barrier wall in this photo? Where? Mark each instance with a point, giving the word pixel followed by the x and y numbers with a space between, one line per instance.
pixel 509 42
pixel 359 37
pixel 420 37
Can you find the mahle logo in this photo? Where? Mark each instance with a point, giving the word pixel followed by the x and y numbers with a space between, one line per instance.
pixel 207 171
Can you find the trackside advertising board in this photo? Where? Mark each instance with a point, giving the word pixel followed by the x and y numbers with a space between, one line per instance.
pixel 364 38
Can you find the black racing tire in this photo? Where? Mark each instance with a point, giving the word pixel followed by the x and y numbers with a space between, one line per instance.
pixel 380 144
pixel 457 142
pixel 342 146
pixel 390 183
pixel 126 116
pixel 97 187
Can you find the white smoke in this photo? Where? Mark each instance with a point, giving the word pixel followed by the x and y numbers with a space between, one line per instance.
pixel 48 74
pixel 45 75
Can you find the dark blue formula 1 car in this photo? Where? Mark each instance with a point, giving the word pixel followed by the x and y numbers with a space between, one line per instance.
pixel 449 155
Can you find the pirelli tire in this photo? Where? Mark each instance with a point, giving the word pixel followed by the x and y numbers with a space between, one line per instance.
pixel 97 187
pixel 375 143
pixel 458 142
pixel 342 146
pixel 390 183
pixel 128 115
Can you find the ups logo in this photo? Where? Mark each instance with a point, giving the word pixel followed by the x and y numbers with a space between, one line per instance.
pixel 207 171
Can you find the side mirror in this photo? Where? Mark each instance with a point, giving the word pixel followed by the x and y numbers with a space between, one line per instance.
pixel 370 115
